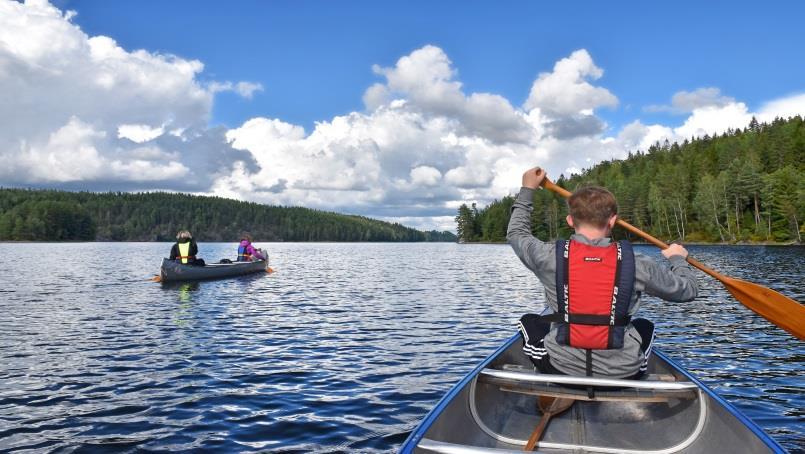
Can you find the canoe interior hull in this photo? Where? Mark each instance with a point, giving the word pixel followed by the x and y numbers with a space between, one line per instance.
pixel 171 271
pixel 484 414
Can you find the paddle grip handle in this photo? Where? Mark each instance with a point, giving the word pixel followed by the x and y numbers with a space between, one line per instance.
pixel 551 186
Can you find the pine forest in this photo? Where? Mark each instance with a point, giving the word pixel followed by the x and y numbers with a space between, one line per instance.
pixel 744 186
pixel 49 215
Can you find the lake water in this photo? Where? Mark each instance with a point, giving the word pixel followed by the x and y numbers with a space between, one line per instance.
pixel 344 348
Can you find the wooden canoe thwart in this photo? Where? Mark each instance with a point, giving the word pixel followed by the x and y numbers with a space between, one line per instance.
pixel 495 409
pixel 172 271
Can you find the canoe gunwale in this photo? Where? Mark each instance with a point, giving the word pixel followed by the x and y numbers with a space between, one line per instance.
pixel 452 448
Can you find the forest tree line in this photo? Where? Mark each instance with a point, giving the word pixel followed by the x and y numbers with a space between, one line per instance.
pixel 50 215
pixel 746 185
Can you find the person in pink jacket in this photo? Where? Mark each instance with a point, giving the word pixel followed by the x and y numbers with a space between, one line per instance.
pixel 247 252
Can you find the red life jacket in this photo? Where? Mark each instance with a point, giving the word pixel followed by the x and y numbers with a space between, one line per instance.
pixel 594 288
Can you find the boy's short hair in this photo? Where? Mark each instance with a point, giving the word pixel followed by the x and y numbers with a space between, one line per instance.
pixel 183 235
pixel 592 205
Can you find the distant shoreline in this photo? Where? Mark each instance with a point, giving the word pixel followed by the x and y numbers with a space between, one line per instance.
pixel 381 242
pixel 42 215
pixel 692 243
pixel 232 241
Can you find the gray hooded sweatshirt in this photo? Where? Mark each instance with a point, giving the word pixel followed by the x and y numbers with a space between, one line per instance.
pixel 675 283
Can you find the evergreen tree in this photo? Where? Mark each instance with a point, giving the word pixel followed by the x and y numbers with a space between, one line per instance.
pixel 786 191
pixel 465 224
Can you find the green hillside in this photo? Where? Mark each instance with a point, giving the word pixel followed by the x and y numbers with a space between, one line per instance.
pixel 746 185
pixel 49 215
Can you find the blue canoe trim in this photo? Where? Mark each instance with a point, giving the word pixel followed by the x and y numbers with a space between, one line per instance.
pixel 416 436
pixel 413 440
pixel 763 436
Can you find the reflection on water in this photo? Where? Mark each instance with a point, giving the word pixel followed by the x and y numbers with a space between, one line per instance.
pixel 345 348
pixel 185 295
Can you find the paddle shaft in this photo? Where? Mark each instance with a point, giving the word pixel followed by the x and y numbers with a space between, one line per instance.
pixel 537 433
pixel 550 406
pixel 773 306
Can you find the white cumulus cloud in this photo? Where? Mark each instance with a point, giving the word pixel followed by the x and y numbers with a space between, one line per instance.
pixel 75 106
pixel 243 89
pixel 714 120
pixel 425 176
pixel 427 80
pixel 568 100
pixel 788 106
pixel 139 133
pixel 710 118
pixel 567 90
pixel 687 101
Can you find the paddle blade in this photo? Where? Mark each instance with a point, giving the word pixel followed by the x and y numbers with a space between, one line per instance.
pixel 269 270
pixel 773 306
pixel 156 278
pixel 557 406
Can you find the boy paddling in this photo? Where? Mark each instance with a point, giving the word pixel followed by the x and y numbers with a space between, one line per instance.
pixel 592 331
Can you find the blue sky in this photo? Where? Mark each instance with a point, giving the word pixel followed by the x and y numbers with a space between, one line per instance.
pixel 400 111
pixel 314 58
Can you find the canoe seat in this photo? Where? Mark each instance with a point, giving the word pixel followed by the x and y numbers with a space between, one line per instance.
pixel 653 389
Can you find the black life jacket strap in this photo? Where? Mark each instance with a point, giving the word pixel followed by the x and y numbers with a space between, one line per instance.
pixel 562 290
pixel 625 281
pixel 588 364
pixel 586 319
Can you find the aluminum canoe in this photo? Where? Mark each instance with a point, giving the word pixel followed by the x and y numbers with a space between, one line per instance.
pixel 493 409
pixel 172 271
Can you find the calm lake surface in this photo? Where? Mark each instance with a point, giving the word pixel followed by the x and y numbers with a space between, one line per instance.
pixel 344 348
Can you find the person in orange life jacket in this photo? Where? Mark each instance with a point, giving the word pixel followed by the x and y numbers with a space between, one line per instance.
pixel 247 252
pixel 593 286
pixel 185 250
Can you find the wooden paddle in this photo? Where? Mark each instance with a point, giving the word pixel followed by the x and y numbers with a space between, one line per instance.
pixel 549 406
pixel 779 309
